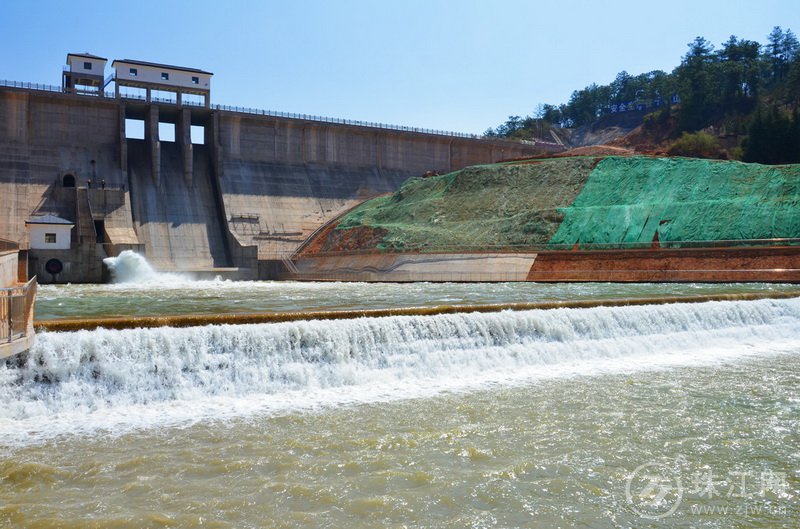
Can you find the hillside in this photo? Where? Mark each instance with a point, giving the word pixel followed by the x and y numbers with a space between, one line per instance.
pixel 742 97
pixel 594 202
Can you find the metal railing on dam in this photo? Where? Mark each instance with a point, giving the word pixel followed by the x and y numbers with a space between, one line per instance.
pixel 16 311
pixel 262 112
pixel 32 86
pixel 341 121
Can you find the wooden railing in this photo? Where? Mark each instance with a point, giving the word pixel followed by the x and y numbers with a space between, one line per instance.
pixel 16 311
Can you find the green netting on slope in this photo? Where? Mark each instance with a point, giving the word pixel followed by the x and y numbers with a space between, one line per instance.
pixel 629 200
pixel 477 207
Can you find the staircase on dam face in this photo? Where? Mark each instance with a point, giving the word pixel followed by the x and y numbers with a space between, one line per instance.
pixel 177 219
pixel 84 228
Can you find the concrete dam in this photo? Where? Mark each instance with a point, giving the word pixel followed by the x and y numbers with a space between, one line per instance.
pixel 234 194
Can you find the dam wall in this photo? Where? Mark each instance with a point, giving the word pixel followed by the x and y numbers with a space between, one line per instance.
pixel 239 200
pixel 43 138
pixel 281 179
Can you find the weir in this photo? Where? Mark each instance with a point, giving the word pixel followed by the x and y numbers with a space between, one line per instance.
pixel 119 379
pixel 194 320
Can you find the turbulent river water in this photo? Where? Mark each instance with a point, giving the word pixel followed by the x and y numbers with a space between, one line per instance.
pixel 655 415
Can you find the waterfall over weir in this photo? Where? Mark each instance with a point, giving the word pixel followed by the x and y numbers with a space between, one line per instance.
pixel 88 381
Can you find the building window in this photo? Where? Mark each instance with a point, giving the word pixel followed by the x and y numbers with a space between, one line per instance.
pixel 87 66
pixel 164 76
pixel 133 72
pixel 195 80
pixel 50 238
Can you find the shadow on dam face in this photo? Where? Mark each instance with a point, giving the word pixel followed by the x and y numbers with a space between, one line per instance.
pixel 337 182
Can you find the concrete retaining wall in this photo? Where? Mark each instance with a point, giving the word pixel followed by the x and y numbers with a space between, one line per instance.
pixel 8 268
pixel 416 267
pixel 777 264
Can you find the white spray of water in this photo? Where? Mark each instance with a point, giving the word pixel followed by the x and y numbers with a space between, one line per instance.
pixel 117 380
pixel 131 267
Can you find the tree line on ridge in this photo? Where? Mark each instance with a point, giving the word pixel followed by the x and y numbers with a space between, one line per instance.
pixel 744 90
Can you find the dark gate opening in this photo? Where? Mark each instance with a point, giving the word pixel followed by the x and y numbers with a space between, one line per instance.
pixel 99 229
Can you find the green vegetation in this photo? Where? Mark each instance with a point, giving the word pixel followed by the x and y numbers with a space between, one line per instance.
pixel 480 206
pixel 743 88
pixel 697 145
pixel 630 200
pixel 614 201
pixel 773 138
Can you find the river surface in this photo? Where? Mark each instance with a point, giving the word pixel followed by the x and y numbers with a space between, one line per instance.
pixel 183 296
pixel 681 415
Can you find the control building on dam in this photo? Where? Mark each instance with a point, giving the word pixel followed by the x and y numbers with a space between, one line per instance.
pixel 87 171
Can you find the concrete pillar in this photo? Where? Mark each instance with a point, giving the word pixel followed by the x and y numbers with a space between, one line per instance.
pixel 123 140
pixel 151 137
pixel 303 145
pixel 215 149
pixel 183 132
pixel 208 131
pixel 178 98
pixel 213 143
pixel 378 160
pixel 450 157
pixel 147 97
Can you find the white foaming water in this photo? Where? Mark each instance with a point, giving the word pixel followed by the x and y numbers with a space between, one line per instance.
pixel 131 267
pixel 104 380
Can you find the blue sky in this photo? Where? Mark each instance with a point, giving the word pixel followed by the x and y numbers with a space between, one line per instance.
pixel 461 65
